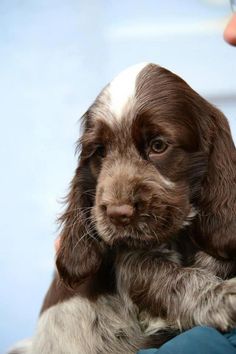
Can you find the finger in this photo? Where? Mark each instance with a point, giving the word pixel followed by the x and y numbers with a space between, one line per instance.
pixel 230 31
pixel 57 244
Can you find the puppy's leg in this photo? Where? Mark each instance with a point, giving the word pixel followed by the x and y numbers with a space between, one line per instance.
pixel 185 297
pixel 222 268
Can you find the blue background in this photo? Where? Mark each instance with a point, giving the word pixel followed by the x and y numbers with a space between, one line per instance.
pixel 55 56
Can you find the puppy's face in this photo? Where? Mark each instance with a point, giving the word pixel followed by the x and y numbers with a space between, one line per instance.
pixel 142 147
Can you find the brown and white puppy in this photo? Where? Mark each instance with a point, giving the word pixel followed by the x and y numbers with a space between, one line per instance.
pixel 148 238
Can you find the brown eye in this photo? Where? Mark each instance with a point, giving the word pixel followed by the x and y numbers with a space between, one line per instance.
pixel 158 145
pixel 101 151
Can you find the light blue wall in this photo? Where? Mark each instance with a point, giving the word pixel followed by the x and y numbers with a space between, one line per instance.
pixel 55 56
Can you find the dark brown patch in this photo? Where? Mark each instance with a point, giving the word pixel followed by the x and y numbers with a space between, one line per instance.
pixel 103 282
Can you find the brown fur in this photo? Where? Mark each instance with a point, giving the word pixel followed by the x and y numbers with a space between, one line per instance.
pixel 164 260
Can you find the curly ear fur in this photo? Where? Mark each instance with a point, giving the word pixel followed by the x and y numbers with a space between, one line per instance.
pixel 217 217
pixel 80 252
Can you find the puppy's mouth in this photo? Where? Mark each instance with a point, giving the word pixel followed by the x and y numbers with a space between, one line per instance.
pixel 121 226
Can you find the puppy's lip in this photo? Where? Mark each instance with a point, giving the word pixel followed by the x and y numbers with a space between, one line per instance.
pixel 134 241
pixel 131 236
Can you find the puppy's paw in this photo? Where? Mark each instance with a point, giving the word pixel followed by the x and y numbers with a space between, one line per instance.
pixel 223 313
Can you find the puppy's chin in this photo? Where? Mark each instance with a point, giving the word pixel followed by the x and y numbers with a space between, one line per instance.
pixel 132 237
pixel 133 242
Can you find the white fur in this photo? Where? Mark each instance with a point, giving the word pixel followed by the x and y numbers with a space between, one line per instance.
pixel 122 89
pixel 150 325
pixel 22 347
pixel 155 325
pixel 78 326
pixel 167 182
pixel 193 212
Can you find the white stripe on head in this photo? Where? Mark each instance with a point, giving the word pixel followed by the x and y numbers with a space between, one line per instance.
pixel 122 88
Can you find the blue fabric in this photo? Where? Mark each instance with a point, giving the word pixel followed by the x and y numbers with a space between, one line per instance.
pixel 199 340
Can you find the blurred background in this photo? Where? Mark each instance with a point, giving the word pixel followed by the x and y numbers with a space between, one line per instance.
pixel 55 56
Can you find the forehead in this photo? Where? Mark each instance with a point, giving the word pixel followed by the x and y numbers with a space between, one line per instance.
pixel 122 90
pixel 118 97
pixel 145 91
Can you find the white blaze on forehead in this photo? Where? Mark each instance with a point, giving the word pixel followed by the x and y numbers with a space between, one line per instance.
pixel 122 89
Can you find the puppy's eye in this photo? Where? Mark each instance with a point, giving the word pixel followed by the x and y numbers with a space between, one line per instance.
pixel 101 151
pixel 158 145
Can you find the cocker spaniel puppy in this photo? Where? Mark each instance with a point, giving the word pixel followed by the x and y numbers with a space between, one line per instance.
pixel 148 240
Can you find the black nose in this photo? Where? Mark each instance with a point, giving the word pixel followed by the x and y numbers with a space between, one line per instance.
pixel 120 214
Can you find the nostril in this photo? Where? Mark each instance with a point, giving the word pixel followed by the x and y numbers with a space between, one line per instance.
pixel 120 214
pixel 103 207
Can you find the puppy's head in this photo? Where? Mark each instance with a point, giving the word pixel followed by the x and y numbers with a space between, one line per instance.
pixel 145 154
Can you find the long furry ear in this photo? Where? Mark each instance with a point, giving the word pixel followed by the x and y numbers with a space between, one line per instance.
pixel 80 252
pixel 217 214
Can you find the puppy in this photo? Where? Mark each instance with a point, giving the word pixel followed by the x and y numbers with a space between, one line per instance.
pixel 148 238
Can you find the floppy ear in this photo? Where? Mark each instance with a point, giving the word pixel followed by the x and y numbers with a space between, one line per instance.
pixel 80 252
pixel 217 217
